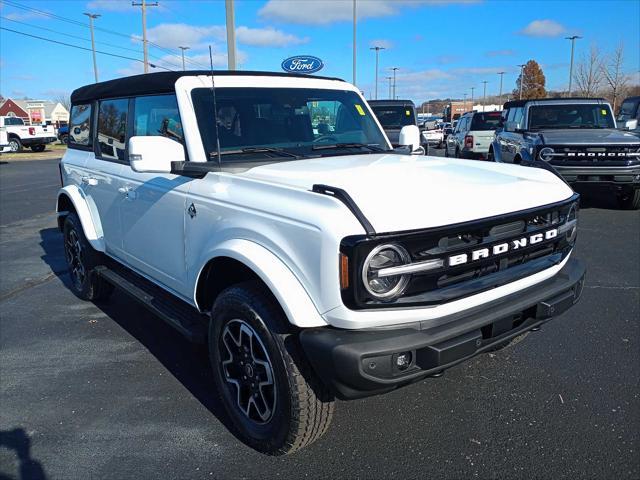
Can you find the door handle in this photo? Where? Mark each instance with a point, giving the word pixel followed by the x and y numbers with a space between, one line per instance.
pixel 88 180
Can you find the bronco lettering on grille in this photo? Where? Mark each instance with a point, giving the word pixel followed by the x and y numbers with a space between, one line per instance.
pixel 500 248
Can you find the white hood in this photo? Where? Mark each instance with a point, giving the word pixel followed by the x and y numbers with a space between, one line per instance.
pixel 401 192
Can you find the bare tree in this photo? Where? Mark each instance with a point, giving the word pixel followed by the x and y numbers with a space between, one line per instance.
pixel 613 74
pixel 63 98
pixel 588 75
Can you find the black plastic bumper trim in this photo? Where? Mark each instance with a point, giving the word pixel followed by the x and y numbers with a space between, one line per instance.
pixel 358 363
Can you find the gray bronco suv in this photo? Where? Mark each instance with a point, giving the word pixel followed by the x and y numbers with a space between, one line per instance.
pixel 576 137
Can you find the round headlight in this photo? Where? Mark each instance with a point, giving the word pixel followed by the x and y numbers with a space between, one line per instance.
pixel 385 287
pixel 545 154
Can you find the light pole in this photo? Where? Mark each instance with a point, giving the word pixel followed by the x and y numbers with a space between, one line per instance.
pixel 521 78
pixel 145 47
pixel 484 94
pixel 92 17
pixel 389 79
pixel 377 49
pixel 394 82
pixel 231 34
pixel 464 106
pixel 472 89
pixel 183 49
pixel 500 94
pixel 573 39
pixel 354 42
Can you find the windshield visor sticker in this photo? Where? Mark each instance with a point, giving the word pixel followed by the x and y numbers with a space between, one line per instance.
pixel 360 109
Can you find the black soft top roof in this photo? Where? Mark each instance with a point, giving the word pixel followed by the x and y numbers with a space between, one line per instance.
pixel 390 103
pixel 161 82
pixel 522 103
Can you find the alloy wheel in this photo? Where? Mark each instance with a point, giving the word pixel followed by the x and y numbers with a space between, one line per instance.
pixel 73 252
pixel 247 369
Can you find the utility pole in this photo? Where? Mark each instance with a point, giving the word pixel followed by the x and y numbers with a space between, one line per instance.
pixel 394 82
pixel 145 48
pixel 92 17
pixel 231 35
pixel 484 95
pixel 464 106
pixel 377 49
pixel 183 49
pixel 500 94
pixel 472 89
pixel 389 79
pixel 573 39
pixel 521 78
pixel 354 41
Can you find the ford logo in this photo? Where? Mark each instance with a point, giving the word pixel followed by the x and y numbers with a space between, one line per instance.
pixel 302 64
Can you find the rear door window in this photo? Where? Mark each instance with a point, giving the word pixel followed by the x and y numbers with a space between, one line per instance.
pixel 112 129
pixel 157 115
pixel 80 126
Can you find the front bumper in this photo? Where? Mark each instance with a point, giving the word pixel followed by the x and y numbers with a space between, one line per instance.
pixel 360 363
pixel 628 175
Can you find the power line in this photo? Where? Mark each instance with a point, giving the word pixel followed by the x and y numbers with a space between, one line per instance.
pixel 81 48
pixel 100 29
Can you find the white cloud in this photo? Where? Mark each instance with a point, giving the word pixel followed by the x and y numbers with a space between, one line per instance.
pixel 386 44
pixel 195 61
pixel 174 35
pixel 323 12
pixel 543 28
pixel 267 37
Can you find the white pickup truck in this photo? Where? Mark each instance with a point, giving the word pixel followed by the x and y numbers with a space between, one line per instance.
pixel 4 140
pixel 20 135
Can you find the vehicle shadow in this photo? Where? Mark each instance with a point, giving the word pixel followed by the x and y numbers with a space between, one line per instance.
pixel 187 362
pixel 18 441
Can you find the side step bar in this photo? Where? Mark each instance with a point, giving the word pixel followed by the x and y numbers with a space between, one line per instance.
pixel 180 315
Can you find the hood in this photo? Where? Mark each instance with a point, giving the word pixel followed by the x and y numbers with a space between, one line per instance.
pixel 402 192
pixel 573 136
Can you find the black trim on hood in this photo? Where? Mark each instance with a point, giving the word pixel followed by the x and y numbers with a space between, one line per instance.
pixel 345 198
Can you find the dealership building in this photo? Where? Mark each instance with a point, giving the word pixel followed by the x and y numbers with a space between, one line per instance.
pixel 35 112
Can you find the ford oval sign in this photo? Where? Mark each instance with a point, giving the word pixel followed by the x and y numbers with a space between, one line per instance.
pixel 302 64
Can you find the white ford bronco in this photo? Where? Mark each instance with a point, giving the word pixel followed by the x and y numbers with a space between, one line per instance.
pixel 267 216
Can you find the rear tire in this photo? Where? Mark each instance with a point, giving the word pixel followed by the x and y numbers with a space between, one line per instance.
pixel 275 401
pixel 64 139
pixel 490 156
pixel 82 260
pixel 630 201
pixel 38 148
pixel 457 152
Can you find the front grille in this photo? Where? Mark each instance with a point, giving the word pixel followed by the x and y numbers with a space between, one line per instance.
pixel 456 280
pixel 612 155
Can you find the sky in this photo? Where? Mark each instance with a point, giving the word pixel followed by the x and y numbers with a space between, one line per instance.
pixel 442 48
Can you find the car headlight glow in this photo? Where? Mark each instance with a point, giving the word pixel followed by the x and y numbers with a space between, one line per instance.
pixel 383 257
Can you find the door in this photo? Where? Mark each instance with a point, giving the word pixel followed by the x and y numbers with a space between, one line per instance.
pixel 100 180
pixel 509 140
pixel 152 205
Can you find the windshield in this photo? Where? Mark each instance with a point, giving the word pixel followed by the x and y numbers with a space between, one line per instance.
pixel 486 121
pixel 285 123
pixel 579 115
pixel 628 110
pixel 394 116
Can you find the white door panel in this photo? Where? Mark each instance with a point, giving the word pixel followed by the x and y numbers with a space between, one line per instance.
pixel 152 211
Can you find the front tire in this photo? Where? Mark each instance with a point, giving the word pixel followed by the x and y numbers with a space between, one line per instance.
pixel 15 145
pixel 276 402
pixel 82 260
pixel 630 200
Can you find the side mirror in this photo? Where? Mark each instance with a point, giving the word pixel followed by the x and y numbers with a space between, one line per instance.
pixel 154 154
pixel 631 124
pixel 410 137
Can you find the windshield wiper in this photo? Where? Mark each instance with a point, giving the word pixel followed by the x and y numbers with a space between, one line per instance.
pixel 586 126
pixel 278 151
pixel 334 146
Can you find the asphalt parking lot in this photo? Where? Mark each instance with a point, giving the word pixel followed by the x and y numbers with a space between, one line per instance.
pixel 109 391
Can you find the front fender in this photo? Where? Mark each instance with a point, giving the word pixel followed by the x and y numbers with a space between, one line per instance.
pixel 293 298
pixel 86 213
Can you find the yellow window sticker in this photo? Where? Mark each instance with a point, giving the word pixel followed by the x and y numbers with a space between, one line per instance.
pixel 360 110
pixel 603 111
pixel 407 113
